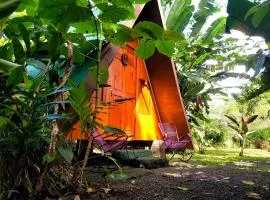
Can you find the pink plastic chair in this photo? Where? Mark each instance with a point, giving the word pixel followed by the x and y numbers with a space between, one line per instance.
pixel 173 143
pixel 117 142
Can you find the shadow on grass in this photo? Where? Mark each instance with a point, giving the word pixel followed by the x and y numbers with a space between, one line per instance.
pixel 253 158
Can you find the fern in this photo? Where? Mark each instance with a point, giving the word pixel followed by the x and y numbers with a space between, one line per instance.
pixel 80 102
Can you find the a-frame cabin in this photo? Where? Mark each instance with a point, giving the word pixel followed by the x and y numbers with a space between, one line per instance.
pixel 152 86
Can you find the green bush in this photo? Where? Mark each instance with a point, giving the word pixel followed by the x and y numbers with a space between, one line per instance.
pixel 260 139
pixel 215 137
pixel 216 132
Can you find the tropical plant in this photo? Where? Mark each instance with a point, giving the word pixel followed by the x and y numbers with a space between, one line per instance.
pixel 258 13
pixel 197 80
pixel 25 126
pixel 241 128
pixel 54 42
pixel 199 45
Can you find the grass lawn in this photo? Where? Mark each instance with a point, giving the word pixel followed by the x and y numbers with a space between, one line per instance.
pixel 215 156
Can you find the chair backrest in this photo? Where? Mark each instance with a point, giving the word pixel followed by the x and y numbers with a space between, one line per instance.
pixel 99 138
pixel 108 146
pixel 168 130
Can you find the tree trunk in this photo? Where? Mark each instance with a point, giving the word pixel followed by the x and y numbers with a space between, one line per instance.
pixel 242 147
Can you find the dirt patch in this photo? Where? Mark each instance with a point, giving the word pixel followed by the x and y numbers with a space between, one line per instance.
pixel 238 180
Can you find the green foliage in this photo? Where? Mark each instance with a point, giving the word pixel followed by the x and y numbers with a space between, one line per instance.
pixel 145 48
pixel 24 133
pixel 258 13
pixel 16 76
pixel 80 102
pixel 38 37
pixel 59 11
pixel 7 7
pixel 179 12
pixel 165 47
pixel 216 132
pixel 206 8
pixel 154 37
pixel 215 31
pixel 196 80
pixel 260 138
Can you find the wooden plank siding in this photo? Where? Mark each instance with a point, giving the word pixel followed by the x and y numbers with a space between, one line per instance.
pixel 152 83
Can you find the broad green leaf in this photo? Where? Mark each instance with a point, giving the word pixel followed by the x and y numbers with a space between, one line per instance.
pixel 122 36
pixel 26 39
pixel 127 5
pixel 80 102
pixel 30 6
pixel 111 13
pixel 54 44
pixel 165 47
pixel 19 52
pixel 6 66
pixel 84 27
pixel 25 19
pixel 67 154
pixel 252 11
pixel 63 11
pixel 6 52
pixel 205 9
pixel 217 28
pixel 259 15
pixel 201 59
pixel 149 30
pixel 173 35
pixel 233 120
pixel 176 11
pixel 194 77
pixel 195 90
pixel 7 7
pixel 145 49
pixel 16 76
pixel 183 19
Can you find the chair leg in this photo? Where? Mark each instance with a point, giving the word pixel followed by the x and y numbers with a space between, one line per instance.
pixel 186 155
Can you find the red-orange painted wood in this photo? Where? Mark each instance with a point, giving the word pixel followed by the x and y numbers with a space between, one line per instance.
pixel 128 79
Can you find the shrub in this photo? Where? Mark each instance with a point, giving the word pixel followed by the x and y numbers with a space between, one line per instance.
pixel 260 139
pixel 216 132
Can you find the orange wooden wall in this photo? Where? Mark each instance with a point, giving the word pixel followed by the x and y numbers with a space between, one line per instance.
pixel 136 116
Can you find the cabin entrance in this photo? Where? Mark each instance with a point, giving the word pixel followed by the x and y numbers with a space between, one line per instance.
pixel 122 79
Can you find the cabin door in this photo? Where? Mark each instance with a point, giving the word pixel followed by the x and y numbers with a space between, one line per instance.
pixel 123 91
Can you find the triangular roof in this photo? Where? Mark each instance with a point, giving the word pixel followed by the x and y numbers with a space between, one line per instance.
pixel 162 75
